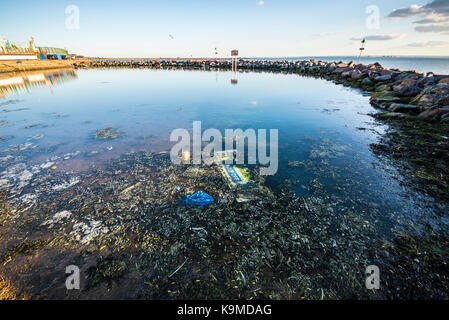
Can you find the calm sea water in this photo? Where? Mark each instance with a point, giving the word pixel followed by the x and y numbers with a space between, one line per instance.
pixel 324 126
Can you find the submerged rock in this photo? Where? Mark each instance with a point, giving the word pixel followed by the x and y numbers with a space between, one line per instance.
pixel 108 133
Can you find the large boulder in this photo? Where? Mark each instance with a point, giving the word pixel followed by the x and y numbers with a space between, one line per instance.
pixel 434 113
pixel 383 78
pixel 443 101
pixel 367 81
pixel 430 96
pixel 409 90
pixel 444 80
pixel 342 69
pixel 404 108
pixel 386 72
pixel 356 74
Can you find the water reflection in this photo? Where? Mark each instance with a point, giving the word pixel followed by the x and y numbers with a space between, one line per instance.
pixel 19 83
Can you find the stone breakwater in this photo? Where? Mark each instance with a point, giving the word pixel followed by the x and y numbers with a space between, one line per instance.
pixel 402 94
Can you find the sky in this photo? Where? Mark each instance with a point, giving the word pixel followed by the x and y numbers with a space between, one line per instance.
pixel 194 28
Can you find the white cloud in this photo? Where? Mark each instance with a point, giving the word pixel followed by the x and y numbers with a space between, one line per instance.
pixel 429 44
pixel 433 28
pixel 260 3
pixel 381 37
pixel 328 34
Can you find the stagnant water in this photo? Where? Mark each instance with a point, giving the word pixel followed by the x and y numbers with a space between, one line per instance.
pixel 325 131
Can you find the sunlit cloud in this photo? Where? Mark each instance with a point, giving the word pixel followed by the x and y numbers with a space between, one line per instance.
pixel 439 7
pixel 434 16
pixel 413 10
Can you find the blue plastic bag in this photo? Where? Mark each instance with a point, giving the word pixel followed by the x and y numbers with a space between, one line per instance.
pixel 199 199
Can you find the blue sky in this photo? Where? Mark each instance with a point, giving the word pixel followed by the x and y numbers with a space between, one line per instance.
pixel 175 28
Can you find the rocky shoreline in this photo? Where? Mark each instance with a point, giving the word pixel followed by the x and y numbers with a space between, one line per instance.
pixel 401 94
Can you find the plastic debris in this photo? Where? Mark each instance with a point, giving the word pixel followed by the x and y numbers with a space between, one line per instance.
pixel 199 199
pixel 235 175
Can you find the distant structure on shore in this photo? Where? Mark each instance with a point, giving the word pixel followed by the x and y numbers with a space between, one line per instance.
pixel 27 50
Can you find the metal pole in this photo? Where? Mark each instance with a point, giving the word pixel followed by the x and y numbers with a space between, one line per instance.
pixel 361 50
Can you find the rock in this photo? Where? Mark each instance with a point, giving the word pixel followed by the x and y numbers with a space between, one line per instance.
pixel 385 72
pixel 444 101
pixel 384 99
pixel 342 69
pixel 444 80
pixel 404 108
pixel 383 78
pixel 356 74
pixel 410 90
pixel 428 81
pixel 367 81
pixel 390 115
pixel 402 76
pixel 407 81
pixel 377 65
pixel 434 113
pixel 341 65
pixel 351 64
pixel 383 87
pixel 398 87
pixel 430 95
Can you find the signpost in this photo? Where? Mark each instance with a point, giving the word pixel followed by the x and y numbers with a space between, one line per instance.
pixel 234 60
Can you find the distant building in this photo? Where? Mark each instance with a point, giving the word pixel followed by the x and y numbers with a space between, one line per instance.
pixel 27 50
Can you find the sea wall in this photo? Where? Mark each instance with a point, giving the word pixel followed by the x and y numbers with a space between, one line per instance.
pixel 33 65
pixel 401 94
